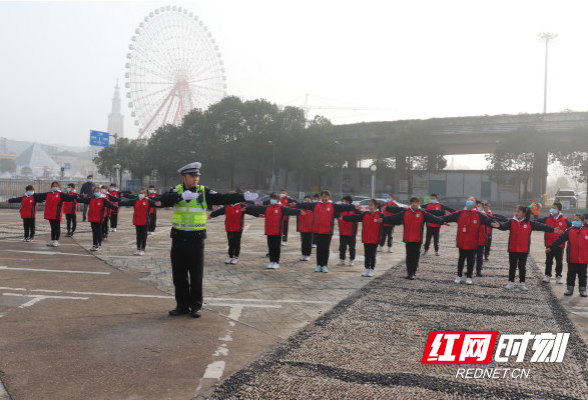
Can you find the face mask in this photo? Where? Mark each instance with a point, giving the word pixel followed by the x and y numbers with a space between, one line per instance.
pixel 112 189
pixel 141 196
pixel 103 190
pixel 90 180
pixel 30 193
pixel 469 203
pixel 68 190
pixel 96 194
pixel 553 211
pixel 433 201
pixel 577 224
pixel 54 189
pixel 150 191
pixel 282 195
pixel 273 201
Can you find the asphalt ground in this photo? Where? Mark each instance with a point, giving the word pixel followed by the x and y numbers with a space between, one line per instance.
pixel 101 329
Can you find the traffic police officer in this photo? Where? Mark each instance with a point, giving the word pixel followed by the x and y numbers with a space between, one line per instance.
pixel 190 201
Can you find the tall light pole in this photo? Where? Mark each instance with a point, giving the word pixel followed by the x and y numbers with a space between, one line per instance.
pixel 373 168
pixel 546 37
pixel 341 176
pixel 273 165
pixel 117 178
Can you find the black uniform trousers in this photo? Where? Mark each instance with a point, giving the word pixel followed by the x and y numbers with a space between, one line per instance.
pixel 387 232
pixel 432 232
pixel 487 247
pixel 556 254
pixel 517 260
pixel 114 220
pixel 274 247
pixel 187 259
pixel 234 239
pixel 55 228
pixel 323 248
pixel 105 228
pixel 152 221
pixel 577 269
pixel 369 253
pixel 96 233
pixel 29 227
pixel 470 257
pixel 141 233
pixel 344 242
pixel 285 229
pixel 306 243
pixel 413 254
pixel 71 222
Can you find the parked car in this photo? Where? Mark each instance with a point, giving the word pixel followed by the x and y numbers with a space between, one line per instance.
pixel 582 195
pixel 568 195
pixel 364 203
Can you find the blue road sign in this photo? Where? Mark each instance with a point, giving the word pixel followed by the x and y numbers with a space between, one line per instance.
pixel 98 138
pixel 67 165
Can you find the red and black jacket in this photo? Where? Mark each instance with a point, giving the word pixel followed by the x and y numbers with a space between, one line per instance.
pixel 324 215
pixel 98 208
pixel 304 222
pixel 372 223
pixel 234 216
pixel 274 217
pixel 71 207
pixel 54 204
pixel 469 224
pixel 437 206
pixel 577 247
pixel 413 221
pixel 141 210
pixel 519 239
pixel 28 204
pixel 347 228
pixel 561 222
pixel 388 213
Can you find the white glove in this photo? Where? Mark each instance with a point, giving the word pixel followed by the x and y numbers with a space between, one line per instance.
pixel 250 196
pixel 189 196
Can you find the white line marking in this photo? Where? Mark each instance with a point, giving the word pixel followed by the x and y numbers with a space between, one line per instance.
pixel 38 298
pixel 247 226
pixel 271 301
pixel 54 270
pixel 237 308
pixel 581 314
pixel 50 253
pixel 214 370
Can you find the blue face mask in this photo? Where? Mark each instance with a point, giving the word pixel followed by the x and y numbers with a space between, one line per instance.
pixel 150 191
pixel 30 193
pixel 54 189
pixel 553 211
pixel 469 203
pixel 96 194
pixel 433 201
pixel 90 180
pixel 273 201
pixel 577 224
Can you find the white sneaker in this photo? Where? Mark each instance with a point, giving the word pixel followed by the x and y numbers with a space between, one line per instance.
pixel 302 258
pixel 50 243
pixel 229 260
pixel 350 263
pixel 457 280
pixel 234 260
pixel 284 243
pixel 469 281
pixel 55 243
pixel 313 245
pixel 25 240
pixel 275 265
pixel 142 252
pixel 341 263
pixel 558 280
pixel 110 230
pixel 94 248
pixel 510 285
pixel 371 272
pixel 114 229
pixel 547 279
pixel 366 272
pixel 149 233
pixel 380 248
pixel 523 287
pixel 270 265
pixel 136 253
pixel 389 249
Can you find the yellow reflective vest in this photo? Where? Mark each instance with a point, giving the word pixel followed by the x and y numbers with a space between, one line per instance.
pixel 190 216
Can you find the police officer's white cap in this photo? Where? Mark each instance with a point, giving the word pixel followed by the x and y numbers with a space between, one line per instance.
pixel 192 168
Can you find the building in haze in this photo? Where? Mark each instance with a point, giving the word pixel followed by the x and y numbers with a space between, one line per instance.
pixel 115 118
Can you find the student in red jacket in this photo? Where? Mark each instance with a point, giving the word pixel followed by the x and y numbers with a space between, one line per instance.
pixel 234 222
pixel 347 234
pixel 142 206
pixel 274 224
pixel 286 201
pixel 322 228
pixel 70 209
pixel 577 253
pixel 557 220
pixel 413 218
pixel 28 211
pixel 54 210
pixel 388 230
pixel 97 210
pixel 113 198
pixel 519 241
pixel 152 193
pixel 433 229
pixel 304 226
pixel 469 223
pixel 371 232
pixel 113 191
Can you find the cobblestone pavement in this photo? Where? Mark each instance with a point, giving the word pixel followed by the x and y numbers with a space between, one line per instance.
pixel 370 345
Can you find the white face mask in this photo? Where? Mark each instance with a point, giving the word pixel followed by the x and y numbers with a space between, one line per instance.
pixel 141 196
pixel 282 195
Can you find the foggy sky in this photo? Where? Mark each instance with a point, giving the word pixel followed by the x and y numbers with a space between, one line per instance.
pixel 419 59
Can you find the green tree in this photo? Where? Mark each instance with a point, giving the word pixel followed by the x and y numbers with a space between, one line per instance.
pixel 7 165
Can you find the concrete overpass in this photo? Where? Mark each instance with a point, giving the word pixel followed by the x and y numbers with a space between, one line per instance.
pixel 470 135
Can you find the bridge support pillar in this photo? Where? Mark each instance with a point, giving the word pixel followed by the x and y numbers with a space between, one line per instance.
pixel 540 173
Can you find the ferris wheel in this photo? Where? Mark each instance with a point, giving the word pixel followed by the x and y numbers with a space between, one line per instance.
pixel 173 66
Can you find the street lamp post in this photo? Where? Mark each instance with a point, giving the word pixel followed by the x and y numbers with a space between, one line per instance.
pixel 273 165
pixel 373 168
pixel 62 170
pixel 341 175
pixel 546 37
pixel 117 167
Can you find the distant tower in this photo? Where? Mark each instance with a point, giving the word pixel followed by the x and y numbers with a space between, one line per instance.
pixel 115 118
